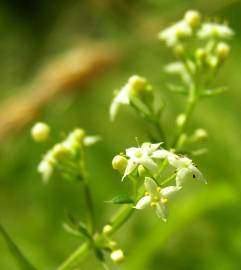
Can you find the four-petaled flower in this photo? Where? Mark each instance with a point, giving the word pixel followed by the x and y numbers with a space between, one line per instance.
pixel 186 170
pixel 174 33
pixel 215 30
pixel 156 197
pixel 141 156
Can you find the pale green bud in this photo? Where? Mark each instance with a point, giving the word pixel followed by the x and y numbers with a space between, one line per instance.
pixel 60 152
pixel 119 163
pixel 107 229
pixel 223 50
pixel 200 54
pixel 137 84
pixel 178 50
pixel 40 132
pixel 78 135
pixel 192 18
pixel 212 61
pixel 200 134
pixel 181 118
pixel 142 171
pixel 117 256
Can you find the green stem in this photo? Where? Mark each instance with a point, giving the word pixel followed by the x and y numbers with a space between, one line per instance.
pixel 81 252
pixel 89 203
pixel 191 103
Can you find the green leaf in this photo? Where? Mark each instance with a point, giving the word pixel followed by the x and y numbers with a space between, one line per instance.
pixel 99 254
pixel 121 199
pixel 23 263
pixel 213 92
pixel 78 225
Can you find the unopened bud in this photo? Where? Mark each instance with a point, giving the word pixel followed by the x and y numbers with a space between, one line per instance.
pixel 78 134
pixel 141 171
pixel 137 84
pixel 181 118
pixel 200 54
pixel 107 229
pixel 192 18
pixel 40 132
pixel 200 134
pixel 223 50
pixel 60 152
pixel 178 50
pixel 117 256
pixel 119 163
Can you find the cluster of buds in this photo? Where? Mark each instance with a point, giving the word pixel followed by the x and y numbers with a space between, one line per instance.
pixel 64 157
pixel 200 46
pixel 137 93
pixel 150 158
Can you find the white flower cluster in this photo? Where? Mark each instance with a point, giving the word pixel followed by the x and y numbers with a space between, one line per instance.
pixel 199 45
pixel 191 25
pixel 151 157
pixel 66 155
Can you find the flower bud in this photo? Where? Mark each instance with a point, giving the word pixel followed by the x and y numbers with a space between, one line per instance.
pixel 137 84
pixel 200 134
pixel 117 256
pixel 107 229
pixel 179 50
pixel 222 50
pixel 200 54
pixel 40 132
pixel 192 18
pixel 60 152
pixel 78 134
pixel 181 118
pixel 142 171
pixel 119 163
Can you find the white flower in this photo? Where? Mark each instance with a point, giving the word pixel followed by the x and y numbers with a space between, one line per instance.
pixel 156 197
pixel 186 170
pixel 45 168
pixel 209 30
pixel 134 85
pixel 174 33
pixel 141 156
pixel 178 68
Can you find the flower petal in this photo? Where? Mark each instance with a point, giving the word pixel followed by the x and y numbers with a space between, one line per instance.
pixel 131 165
pixel 168 191
pixel 162 211
pixel 196 174
pixel 161 154
pixel 143 202
pixel 183 175
pixel 148 163
pixel 131 152
pixel 151 186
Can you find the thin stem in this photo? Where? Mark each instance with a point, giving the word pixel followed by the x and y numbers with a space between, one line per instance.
pixel 191 103
pixel 89 203
pixel 81 252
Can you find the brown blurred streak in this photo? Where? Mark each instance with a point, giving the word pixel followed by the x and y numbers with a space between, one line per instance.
pixel 61 76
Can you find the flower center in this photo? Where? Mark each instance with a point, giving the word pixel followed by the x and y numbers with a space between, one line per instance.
pixel 138 154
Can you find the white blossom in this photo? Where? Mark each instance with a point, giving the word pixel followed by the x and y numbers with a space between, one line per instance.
pixel 156 197
pixel 178 68
pixel 186 170
pixel 172 35
pixel 215 30
pixel 141 156
pixel 123 97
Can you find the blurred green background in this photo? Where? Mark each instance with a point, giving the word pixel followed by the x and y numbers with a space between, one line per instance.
pixel 204 228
